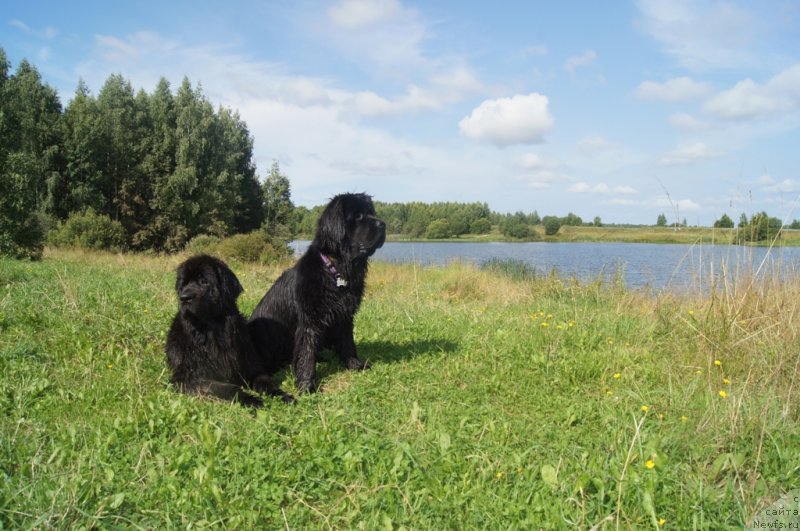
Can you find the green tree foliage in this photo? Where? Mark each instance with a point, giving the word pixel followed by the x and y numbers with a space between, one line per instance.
pixel 164 167
pixel 30 157
pixel 480 226
pixel 438 229
pixel 724 222
pixel 597 222
pixel 278 206
pixel 552 225
pixel 760 227
pixel 661 221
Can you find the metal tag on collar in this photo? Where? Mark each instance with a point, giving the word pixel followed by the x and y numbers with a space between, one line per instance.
pixel 340 282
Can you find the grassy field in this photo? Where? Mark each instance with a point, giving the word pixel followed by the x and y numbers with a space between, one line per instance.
pixel 494 402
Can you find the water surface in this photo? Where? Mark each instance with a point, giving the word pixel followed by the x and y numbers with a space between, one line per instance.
pixel 658 266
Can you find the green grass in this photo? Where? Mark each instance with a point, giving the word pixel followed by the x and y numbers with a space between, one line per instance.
pixel 495 401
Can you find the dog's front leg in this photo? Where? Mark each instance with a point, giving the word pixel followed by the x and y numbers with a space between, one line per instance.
pixel 306 346
pixel 346 349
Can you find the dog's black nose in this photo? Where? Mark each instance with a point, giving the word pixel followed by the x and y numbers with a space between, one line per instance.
pixel 185 296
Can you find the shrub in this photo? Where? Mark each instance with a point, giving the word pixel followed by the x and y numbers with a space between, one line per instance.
pixel 551 224
pixel 89 231
pixel 438 229
pixel 250 247
pixel 202 244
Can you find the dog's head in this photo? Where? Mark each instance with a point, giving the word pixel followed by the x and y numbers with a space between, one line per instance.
pixel 348 227
pixel 206 287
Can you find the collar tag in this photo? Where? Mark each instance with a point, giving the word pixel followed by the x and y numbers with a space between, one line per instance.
pixel 340 282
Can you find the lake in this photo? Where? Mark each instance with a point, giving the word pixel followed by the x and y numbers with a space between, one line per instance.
pixel 658 266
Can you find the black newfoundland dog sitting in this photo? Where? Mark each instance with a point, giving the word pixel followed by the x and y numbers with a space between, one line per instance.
pixel 312 305
pixel 208 347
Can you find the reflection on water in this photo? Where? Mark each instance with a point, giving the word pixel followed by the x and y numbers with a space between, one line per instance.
pixel 659 266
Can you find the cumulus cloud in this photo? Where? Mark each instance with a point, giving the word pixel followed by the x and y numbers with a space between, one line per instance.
pixel 576 61
pixel 687 122
pixel 686 154
pixel 355 14
pixel 521 119
pixel 444 89
pixel 678 89
pixel 786 186
pixel 582 187
pixel 701 35
pixel 683 205
pixel 748 100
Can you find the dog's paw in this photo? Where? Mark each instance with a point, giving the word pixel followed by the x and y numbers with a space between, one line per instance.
pixel 288 399
pixel 357 364
pixel 307 386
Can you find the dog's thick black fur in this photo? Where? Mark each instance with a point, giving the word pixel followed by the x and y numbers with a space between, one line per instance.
pixel 209 349
pixel 312 305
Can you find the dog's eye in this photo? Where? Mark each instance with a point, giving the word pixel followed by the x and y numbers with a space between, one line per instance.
pixel 359 216
pixel 202 281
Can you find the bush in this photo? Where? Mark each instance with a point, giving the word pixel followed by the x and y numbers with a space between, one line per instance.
pixel 552 225
pixel 89 230
pixel 23 240
pixel 438 230
pixel 250 247
pixel 202 244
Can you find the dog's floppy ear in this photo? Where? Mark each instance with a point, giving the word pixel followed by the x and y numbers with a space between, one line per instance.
pixel 179 274
pixel 229 285
pixel 331 227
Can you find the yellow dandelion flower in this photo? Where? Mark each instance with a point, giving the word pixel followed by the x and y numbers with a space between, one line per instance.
pixel 726 381
pixel 650 464
pixel 610 341
pixel 545 325
pixel 698 371
pixel 661 522
pixel 723 394
pixel 718 363
pixel 684 418
pixel 549 315
pixel 609 392
pixel 660 416
pixel 499 475
pixel 691 312
pixel 559 327
pixel 645 409
pixel 110 365
pixel 617 376
pixel 571 324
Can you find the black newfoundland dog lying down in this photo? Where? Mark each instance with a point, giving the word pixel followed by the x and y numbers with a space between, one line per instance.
pixel 312 305
pixel 208 347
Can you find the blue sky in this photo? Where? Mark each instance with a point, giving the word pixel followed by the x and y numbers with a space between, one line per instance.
pixel 622 110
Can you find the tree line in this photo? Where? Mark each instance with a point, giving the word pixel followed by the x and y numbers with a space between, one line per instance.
pixel 148 170
pixel 155 171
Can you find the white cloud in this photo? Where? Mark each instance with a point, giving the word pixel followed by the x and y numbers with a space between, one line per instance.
pixel 521 119
pixel 683 205
pixel 748 100
pixel 582 187
pixel 687 122
pixel 380 33
pixel 701 35
pixel 445 88
pixel 356 14
pixel 678 89
pixel 689 154
pixel 576 61
pixel 786 186
pixel 626 190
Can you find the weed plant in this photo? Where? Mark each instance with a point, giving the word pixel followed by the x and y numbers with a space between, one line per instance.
pixel 493 402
